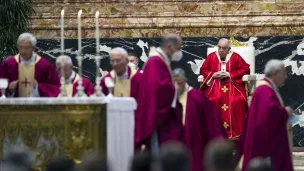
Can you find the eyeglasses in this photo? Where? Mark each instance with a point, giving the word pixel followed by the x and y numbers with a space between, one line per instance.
pixel 117 61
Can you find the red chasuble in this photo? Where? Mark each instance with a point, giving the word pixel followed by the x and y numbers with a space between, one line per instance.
pixel 228 94
pixel 134 83
pixel 266 133
pixel 201 124
pixel 44 73
pixel 87 86
pixel 155 112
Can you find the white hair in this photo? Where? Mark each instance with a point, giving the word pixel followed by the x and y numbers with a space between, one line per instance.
pixel 64 59
pixel 28 36
pixel 119 50
pixel 224 39
pixel 272 67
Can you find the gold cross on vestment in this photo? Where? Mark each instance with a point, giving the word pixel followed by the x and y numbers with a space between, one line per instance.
pixel 225 125
pixel 225 107
pixel 225 89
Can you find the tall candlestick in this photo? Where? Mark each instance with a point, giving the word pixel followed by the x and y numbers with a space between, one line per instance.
pixel 97 33
pixel 62 32
pixel 79 31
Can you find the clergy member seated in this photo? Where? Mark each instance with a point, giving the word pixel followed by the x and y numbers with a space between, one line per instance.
pixel 223 71
pixel 126 79
pixel 267 133
pixel 71 77
pixel 29 74
pixel 158 118
pixel 200 119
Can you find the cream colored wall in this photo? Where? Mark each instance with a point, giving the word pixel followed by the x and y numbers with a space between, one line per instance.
pixel 140 18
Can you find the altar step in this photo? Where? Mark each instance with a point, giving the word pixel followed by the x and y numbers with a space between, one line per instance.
pixel 298 161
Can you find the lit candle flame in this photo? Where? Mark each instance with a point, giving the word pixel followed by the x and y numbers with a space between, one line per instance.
pixel 97 14
pixel 62 12
pixel 79 13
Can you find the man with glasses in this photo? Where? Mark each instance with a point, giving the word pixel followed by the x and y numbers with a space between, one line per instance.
pixel 126 80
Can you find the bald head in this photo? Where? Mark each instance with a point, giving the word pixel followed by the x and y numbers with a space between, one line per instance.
pixel 223 47
pixel 171 43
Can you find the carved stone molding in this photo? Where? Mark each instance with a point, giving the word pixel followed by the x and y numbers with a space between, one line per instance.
pixel 131 18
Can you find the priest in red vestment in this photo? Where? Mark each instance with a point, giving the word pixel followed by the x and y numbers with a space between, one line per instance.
pixel 71 77
pixel 201 119
pixel 126 80
pixel 29 74
pixel 223 71
pixel 267 133
pixel 159 114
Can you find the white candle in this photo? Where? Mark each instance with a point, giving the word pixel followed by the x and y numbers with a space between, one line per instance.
pixel 79 31
pixel 62 31
pixel 97 32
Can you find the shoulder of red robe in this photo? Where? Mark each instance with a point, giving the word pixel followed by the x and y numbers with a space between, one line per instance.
pixel 153 52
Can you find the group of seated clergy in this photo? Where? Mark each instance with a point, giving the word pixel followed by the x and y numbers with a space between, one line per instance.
pixel 168 108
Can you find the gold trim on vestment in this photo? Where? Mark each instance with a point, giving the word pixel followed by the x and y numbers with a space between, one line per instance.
pixel 26 75
pixel 69 87
pixel 122 88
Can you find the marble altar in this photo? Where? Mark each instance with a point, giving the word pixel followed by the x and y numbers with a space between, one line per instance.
pixel 68 126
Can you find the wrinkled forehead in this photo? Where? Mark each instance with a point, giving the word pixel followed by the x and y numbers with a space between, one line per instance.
pixel 223 43
pixel 24 42
pixel 116 55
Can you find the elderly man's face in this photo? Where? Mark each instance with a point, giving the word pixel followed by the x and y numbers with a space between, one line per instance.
pixel 181 82
pixel 223 48
pixel 67 69
pixel 25 49
pixel 119 63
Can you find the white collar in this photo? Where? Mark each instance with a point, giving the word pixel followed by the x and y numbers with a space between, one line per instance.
pixel 69 80
pixel 32 60
pixel 167 61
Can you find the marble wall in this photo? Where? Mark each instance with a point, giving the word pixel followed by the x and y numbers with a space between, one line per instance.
pixel 189 18
pixel 290 49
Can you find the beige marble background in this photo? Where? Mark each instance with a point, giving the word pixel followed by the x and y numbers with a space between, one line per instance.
pixel 152 18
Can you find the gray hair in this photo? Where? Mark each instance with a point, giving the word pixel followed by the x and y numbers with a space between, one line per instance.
pixel 119 50
pixel 179 72
pixel 224 39
pixel 272 67
pixel 64 59
pixel 29 37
